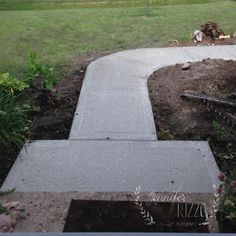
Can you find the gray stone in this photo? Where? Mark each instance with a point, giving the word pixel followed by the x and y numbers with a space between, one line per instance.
pixel 198 36
pixel 186 66
pixel 114 166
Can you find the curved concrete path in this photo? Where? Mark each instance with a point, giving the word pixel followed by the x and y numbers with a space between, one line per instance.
pixel 114 101
pixel 114 104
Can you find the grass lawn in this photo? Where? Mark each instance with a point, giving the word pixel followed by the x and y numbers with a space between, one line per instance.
pixel 56 35
pixel 69 4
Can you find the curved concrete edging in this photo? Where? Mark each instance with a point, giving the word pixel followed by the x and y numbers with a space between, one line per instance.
pixel 114 101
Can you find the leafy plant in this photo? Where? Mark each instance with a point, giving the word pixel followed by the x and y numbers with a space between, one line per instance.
pixel 38 70
pixel 220 132
pixel 11 85
pixel 13 122
pixel 49 78
pixel 227 208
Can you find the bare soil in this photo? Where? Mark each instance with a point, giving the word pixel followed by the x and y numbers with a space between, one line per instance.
pixel 185 119
pixel 53 118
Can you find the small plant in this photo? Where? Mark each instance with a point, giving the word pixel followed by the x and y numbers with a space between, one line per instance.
pixel 13 122
pixel 227 207
pixel 49 77
pixel 11 85
pixel 219 131
pixel 39 71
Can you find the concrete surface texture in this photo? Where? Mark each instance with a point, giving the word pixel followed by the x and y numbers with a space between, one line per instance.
pixel 114 166
pixel 114 101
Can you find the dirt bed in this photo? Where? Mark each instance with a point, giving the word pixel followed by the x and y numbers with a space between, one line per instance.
pixel 54 119
pixel 186 119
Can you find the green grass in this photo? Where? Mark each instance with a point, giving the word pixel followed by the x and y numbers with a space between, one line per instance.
pixel 62 4
pixel 57 35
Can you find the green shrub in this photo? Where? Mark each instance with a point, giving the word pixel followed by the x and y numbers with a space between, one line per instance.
pixel 227 207
pixel 13 122
pixel 11 85
pixel 38 70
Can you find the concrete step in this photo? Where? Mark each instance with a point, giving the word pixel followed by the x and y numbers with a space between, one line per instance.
pixel 114 166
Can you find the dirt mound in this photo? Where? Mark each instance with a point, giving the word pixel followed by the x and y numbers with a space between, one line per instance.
pixel 185 119
pixel 212 30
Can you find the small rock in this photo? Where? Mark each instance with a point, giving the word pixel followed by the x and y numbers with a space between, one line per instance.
pixel 6 223
pixel 11 206
pixel 197 36
pixel 234 34
pixel 186 66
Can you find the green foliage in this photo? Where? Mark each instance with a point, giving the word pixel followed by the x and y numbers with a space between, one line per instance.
pixel 11 85
pixel 13 122
pixel 73 4
pixel 222 145
pixel 49 77
pixel 6 192
pixel 219 131
pixel 227 207
pixel 38 70
pixel 33 67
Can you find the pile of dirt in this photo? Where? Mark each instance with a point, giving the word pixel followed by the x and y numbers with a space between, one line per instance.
pixel 184 119
pixel 208 34
pixel 212 30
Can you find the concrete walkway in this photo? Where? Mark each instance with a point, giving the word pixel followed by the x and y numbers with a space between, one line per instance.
pixel 114 166
pixel 113 144
pixel 114 101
